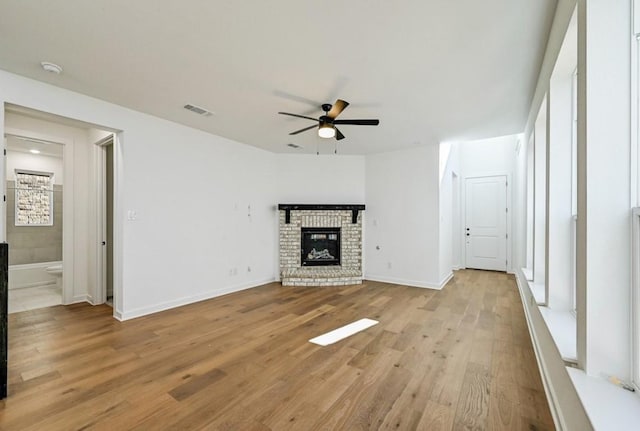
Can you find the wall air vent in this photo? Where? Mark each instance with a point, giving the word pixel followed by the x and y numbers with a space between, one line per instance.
pixel 293 146
pixel 198 110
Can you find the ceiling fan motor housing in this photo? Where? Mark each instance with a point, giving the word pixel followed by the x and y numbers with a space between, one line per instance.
pixel 325 119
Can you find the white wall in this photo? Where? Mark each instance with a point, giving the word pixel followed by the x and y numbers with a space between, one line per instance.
pixel 205 210
pixel 311 179
pixel 191 191
pixel 486 157
pixel 34 162
pixel 402 232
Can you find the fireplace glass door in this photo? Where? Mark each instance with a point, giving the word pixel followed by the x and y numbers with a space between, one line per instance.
pixel 320 246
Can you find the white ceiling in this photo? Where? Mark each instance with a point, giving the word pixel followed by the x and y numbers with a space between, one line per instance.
pixel 430 70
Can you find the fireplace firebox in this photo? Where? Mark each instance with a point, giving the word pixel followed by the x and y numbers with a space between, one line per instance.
pixel 320 246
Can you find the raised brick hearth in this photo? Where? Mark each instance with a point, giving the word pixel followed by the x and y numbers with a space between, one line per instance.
pixel 346 217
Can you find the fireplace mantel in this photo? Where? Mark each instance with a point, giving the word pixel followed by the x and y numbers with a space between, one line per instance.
pixel 354 208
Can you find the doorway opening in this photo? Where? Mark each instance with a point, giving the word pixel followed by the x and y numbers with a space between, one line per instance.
pixel 34 177
pixel 106 211
pixel 80 271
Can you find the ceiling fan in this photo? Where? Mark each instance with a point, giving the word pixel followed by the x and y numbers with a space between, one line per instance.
pixel 327 122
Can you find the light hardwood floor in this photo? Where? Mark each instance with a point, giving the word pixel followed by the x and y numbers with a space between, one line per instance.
pixel 460 358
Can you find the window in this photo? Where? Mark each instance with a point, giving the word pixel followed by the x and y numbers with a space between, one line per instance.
pixel 34 198
pixel 574 183
pixel 530 209
pixel 635 271
pixel 635 212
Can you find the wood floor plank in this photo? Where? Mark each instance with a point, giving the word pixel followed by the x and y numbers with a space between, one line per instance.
pixel 458 358
pixel 473 404
pixel 196 383
pixel 503 410
pixel 436 417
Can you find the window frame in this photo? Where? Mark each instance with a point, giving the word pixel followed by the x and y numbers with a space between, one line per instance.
pixel 49 192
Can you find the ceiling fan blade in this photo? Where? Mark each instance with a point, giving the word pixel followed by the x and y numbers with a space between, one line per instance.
pixel 299 116
pixel 304 130
pixel 339 134
pixel 358 122
pixel 337 108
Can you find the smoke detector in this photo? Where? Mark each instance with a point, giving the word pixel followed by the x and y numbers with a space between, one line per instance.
pixel 198 110
pixel 51 67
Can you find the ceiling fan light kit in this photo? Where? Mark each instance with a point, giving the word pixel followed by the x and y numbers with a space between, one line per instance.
pixel 327 122
pixel 326 131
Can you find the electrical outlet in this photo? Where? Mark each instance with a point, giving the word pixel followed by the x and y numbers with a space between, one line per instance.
pixel 248 269
pixel 388 265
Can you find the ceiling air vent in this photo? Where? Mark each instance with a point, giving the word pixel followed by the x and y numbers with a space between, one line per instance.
pixel 293 146
pixel 198 110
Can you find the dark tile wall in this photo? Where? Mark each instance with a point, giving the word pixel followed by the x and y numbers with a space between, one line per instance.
pixel 34 244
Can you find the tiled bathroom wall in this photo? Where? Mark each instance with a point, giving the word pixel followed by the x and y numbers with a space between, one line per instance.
pixel 34 244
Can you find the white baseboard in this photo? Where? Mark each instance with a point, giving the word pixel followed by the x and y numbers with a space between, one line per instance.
pixel 117 315
pixel 80 298
pixel 412 283
pixel 162 306
pixel 445 280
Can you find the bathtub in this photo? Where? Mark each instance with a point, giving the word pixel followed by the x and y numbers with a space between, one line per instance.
pixel 31 275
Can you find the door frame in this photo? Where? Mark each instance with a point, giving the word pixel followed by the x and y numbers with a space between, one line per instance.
pixel 456 223
pixel 114 139
pixel 101 208
pixel 463 215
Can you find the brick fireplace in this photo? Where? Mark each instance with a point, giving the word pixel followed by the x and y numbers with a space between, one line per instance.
pixel 328 253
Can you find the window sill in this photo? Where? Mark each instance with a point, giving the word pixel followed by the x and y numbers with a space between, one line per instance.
pixel 538 291
pixel 607 405
pixel 562 326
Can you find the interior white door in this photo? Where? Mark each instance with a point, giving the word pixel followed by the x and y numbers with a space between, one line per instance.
pixel 486 223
